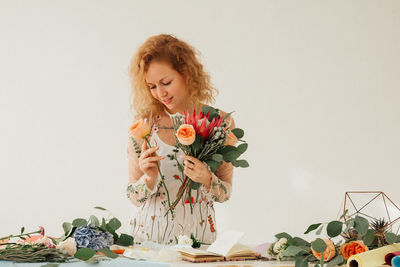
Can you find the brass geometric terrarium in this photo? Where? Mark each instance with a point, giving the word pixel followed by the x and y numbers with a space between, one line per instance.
pixel 375 206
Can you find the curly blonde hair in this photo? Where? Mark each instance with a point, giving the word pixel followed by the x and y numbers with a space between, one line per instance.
pixel 183 58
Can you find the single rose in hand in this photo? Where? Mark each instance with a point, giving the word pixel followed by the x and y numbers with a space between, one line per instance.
pixel 352 248
pixel 329 252
pixel 186 134
pixel 139 129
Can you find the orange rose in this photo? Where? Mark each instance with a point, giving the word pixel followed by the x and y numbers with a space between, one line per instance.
pixel 186 134
pixel 329 252
pixel 139 129
pixel 352 248
pixel 231 139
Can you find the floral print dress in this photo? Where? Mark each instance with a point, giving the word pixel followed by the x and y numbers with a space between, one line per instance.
pixel 192 215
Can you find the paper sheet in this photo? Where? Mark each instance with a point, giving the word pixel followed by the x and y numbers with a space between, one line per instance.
pixel 225 241
pixel 372 258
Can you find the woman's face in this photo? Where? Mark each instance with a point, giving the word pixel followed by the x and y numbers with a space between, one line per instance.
pixel 167 86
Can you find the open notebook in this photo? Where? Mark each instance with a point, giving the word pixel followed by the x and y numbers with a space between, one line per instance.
pixel 225 248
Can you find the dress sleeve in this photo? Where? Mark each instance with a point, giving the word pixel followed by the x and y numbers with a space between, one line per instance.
pixel 221 183
pixel 137 190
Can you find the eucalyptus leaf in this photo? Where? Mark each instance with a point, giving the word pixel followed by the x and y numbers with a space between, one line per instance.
pixel 84 253
pixel 212 164
pixel 291 251
pixel 67 227
pixel 283 234
pixel 217 157
pixel 390 238
pixel 242 163
pixel 361 225
pixel 350 224
pixel 211 110
pixel 100 208
pixel 300 261
pixel 108 253
pixel 336 261
pixel 103 224
pixel 79 222
pixel 312 227
pixel 297 241
pixel 231 155
pixel 239 133
pixel 226 149
pixel 369 237
pixel 114 223
pixel 93 220
pixel 242 148
pixel 22 230
pixel 334 228
pixel 318 232
pixel 344 214
pixel 125 240
pixel 319 245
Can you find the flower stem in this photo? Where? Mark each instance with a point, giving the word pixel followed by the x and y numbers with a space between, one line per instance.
pixel 162 179
pixel 12 236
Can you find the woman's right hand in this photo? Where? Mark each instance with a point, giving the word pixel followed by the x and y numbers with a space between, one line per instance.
pixel 147 163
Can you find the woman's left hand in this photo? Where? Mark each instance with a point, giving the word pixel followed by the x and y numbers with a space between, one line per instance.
pixel 197 170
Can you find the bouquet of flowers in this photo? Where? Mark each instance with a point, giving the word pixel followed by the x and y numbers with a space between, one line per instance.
pixel 358 235
pixel 207 137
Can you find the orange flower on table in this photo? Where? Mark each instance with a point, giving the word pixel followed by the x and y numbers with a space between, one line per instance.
pixel 139 129
pixel 186 134
pixel 329 252
pixel 352 248
pixel 231 139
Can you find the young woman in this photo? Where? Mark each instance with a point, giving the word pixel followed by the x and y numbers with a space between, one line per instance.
pixel 167 78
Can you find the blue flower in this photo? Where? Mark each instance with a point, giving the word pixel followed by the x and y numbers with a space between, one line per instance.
pixel 92 237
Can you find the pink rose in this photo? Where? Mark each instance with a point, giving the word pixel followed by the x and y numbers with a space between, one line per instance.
pixel 69 245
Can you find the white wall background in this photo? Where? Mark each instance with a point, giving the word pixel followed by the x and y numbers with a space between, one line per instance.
pixel 315 84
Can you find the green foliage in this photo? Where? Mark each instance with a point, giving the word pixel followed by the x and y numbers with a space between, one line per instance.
pixel 212 164
pixel 337 261
pixel 319 245
pixel 67 227
pixel 194 185
pixel 109 253
pixel 79 222
pixel 292 251
pixel 114 224
pixel 355 228
pixel 93 220
pixel 297 241
pixel 390 238
pixel 334 228
pixel 242 147
pixel 300 261
pixel 239 133
pixel 361 225
pixel 84 253
pixel 196 243
pixel 312 227
pixel 318 232
pixel 125 240
pixel 213 112
pixel 283 234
